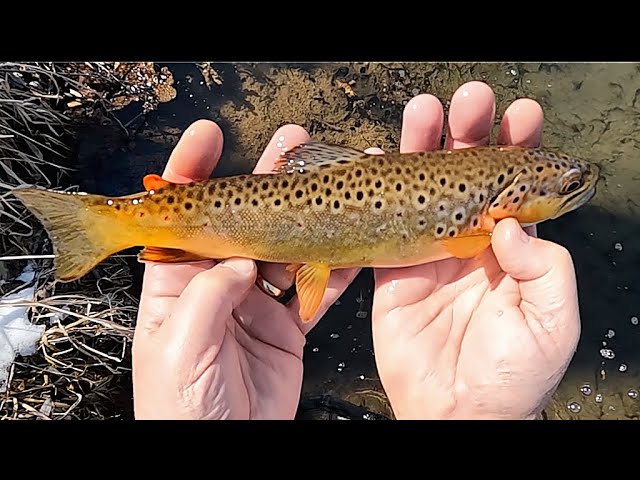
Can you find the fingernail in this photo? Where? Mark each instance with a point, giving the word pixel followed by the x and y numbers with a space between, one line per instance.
pixel 238 265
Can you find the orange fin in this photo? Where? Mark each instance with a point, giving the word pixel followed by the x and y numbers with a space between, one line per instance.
pixel 312 155
pixel 292 269
pixel 154 182
pixel 168 255
pixel 311 283
pixel 467 246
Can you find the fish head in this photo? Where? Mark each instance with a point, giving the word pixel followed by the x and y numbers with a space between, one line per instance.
pixel 546 188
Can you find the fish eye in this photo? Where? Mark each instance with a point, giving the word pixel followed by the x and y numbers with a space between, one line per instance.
pixel 571 181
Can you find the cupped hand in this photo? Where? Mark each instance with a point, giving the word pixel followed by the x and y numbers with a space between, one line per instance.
pixel 489 337
pixel 208 343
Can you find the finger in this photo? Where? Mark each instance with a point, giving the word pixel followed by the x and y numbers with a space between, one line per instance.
pixel 422 123
pixel 547 282
pixel 524 257
pixel 193 158
pixel 522 124
pixel 286 137
pixel 471 116
pixel 202 311
pixel 338 283
pixel 196 154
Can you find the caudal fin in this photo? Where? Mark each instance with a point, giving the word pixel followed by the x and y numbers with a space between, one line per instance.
pixel 82 231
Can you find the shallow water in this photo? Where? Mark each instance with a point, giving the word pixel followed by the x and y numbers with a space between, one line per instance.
pixel 591 110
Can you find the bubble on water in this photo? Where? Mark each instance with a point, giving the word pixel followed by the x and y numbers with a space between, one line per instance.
pixel 191 95
pixel 633 393
pixel 599 398
pixel 604 343
pixel 622 368
pixel 574 407
pixel 341 365
pixel 349 327
pixel 361 377
pixel 338 303
pixel 607 353
pixel 513 72
pixel 618 246
pixel 634 320
pixel 586 389
pixel 335 335
pixel 316 349
pixel 603 374
pixel 361 314
pixel 610 333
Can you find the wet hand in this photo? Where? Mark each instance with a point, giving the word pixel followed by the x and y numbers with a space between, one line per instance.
pixel 489 337
pixel 209 344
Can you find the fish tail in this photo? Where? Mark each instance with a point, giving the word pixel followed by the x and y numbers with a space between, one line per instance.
pixel 82 231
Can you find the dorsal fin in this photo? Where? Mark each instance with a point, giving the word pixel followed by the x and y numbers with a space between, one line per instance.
pixel 309 156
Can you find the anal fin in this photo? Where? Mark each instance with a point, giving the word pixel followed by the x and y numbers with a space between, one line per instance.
pixel 168 255
pixel 467 246
pixel 311 283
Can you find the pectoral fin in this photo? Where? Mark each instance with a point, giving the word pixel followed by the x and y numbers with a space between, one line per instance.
pixel 311 283
pixel 467 246
pixel 168 255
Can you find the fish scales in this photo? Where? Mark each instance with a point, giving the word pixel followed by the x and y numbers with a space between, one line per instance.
pixel 343 214
pixel 323 207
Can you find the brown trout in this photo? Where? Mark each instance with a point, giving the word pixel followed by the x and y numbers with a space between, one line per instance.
pixel 324 207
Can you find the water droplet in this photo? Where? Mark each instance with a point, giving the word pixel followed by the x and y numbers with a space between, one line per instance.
pixel 604 343
pixel 633 393
pixel 599 398
pixel 603 374
pixel 316 349
pixel 574 407
pixel 618 246
pixel 361 314
pixel 586 389
pixel 339 370
pixel 335 335
pixel 610 333
pixel 634 320
pixel 191 95
pixel 607 353
pixel 500 312
pixel 622 368
pixel 513 72
pixel 341 365
pixel 361 377
pixel 338 303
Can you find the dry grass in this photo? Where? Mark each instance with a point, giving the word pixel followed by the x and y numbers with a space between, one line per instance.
pixel 82 366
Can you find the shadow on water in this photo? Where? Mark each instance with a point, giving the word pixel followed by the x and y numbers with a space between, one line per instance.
pixel 604 376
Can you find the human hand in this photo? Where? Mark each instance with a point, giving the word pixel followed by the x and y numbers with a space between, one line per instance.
pixel 208 343
pixel 489 337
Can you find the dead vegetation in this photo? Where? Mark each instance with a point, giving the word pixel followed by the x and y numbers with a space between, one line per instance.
pixel 81 368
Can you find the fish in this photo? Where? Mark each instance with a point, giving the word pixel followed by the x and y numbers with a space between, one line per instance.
pixel 323 207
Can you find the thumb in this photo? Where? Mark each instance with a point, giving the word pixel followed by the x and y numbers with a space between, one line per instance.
pixel 199 316
pixel 526 257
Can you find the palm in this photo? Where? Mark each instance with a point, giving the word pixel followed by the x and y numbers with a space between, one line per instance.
pixel 260 362
pixel 463 319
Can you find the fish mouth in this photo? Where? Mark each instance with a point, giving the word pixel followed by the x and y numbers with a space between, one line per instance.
pixel 575 201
